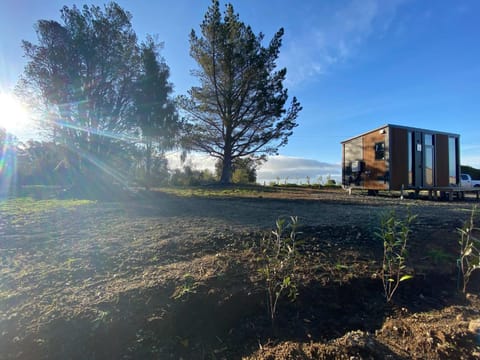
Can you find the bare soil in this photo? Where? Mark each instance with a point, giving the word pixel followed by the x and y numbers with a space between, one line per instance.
pixel 159 276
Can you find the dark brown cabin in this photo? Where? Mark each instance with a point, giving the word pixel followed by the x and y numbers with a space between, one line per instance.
pixel 393 157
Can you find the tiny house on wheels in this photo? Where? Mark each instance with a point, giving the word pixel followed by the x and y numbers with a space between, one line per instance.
pixel 394 157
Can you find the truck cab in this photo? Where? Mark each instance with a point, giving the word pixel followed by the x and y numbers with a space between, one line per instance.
pixel 467 181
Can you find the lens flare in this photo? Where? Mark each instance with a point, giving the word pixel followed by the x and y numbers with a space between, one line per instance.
pixel 14 117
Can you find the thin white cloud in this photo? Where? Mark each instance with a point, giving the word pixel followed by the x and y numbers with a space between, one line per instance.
pixel 336 37
pixel 470 154
pixel 196 161
pixel 471 147
pixel 296 169
pixel 471 160
pixel 276 168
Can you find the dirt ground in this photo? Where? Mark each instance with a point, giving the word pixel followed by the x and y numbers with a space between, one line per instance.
pixel 161 276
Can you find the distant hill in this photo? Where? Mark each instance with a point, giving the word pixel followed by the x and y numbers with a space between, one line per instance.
pixel 474 173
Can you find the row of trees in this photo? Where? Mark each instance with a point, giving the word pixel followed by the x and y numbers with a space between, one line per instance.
pixel 46 163
pixel 106 99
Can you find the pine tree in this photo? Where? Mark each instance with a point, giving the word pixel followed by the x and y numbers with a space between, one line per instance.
pixel 238 110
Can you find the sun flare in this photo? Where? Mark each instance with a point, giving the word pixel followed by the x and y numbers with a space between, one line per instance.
pixel 14 116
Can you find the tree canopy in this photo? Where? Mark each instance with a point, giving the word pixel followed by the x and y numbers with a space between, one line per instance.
pixel 155 112
pixel 98 91
pixel 84 70
pixel 238 110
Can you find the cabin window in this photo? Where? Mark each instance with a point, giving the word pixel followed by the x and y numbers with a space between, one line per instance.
pixel 380 151
pixel 429 160
pixel 452 161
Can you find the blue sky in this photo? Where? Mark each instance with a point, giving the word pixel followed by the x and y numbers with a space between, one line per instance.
pixel 353 64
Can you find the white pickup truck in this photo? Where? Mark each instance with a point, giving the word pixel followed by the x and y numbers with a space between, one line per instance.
pixel 467 181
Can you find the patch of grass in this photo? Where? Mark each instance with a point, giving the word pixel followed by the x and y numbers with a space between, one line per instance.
pixel 27 206
pixel 246 191
pixel 218 191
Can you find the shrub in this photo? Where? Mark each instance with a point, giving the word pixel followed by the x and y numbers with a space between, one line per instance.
pixel 191 177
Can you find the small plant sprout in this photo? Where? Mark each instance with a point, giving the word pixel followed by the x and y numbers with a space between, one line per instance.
pixel 469 259
pixel 188 287
pixel 394 233
pixel 278 253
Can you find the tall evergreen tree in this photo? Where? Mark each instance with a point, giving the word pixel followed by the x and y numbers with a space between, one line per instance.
pixel 238 110
pixel 155 112
pixel 82 71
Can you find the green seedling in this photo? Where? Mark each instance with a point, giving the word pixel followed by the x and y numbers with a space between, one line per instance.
pixel 278 254
pixel 469 259
pixel 188 287
pixel 394 233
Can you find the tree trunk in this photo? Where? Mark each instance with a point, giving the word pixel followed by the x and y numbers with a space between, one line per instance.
pixel 148 164
pixel 226 177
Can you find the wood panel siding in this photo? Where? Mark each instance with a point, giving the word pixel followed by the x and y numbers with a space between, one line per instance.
pixel 376 170
pixel 441 160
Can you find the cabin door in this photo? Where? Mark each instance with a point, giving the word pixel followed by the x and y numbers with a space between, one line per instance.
pixel 428 160
pixel 417 160
pixel 423 160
